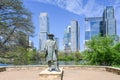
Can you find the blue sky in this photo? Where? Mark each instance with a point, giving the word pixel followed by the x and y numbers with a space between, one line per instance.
pixel 61 12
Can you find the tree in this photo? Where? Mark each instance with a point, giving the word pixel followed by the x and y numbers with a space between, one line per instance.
pixel 15 24
pixel 100 51
pixel 117 54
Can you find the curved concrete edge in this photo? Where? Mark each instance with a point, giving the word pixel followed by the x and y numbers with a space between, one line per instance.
pixel 69 67
pixel 113 70
pixel 42 67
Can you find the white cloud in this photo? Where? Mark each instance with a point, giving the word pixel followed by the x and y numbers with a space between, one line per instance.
pixel 117 1
pixel 91 8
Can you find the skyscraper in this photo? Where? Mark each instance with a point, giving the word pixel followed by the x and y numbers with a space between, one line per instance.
pixel 109 22
pixel 57 42
pixel 67 39
pixel 31 44
pixel 92 28
pixel 105 25
pixel 44 30
pixel 75 36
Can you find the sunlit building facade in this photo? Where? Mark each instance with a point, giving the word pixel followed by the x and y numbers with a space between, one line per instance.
pixel 92 27
pixel 67 39
pixel 71 39
pixel 109 21
pixel 44 30
pixel 105 25
pixel 57 42
pixel 75 36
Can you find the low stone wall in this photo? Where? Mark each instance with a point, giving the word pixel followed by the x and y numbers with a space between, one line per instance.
pixel 113 70
pixel 26 67
pixel 84 67
pixel 2 69
pixel 66 67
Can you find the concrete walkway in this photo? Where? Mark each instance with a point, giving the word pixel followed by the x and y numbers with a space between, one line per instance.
pixel 68 75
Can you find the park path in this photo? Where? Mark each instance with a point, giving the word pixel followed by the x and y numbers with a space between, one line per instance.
pixel 68 75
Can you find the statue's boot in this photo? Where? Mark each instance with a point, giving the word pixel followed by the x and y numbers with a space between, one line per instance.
pixel 50 69
pixel 49 65
pixel 56 66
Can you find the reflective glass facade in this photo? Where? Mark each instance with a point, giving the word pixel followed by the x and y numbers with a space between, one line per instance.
pixel 109 22
pixel 92 28
pixel 71 38
pixel 106 25
pixel 67 38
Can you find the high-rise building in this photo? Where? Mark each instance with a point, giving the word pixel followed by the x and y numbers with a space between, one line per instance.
pixel 67 39
pixel 44 30
pixel 92 27
pixel 31 44
pixel 57 42
pixel 75 36
pixel 105 25
pixel 109 22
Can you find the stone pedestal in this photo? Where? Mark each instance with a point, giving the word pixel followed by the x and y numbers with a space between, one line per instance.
pixel 46 75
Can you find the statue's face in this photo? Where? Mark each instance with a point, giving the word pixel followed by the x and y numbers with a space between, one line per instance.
pixel 50 37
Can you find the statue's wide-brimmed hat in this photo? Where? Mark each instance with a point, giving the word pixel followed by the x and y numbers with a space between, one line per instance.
pixel 50 35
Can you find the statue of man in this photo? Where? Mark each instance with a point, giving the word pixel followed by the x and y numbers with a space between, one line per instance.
pixel 51 53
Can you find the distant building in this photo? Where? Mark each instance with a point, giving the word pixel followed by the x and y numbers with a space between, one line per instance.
pixel 119 39
pixel 71 40
pixel 109 22
pixel 57 42
pixel 44 30
pixel 75 36
pixel 67 39
pixel 31 44
pixel 92 27
pixel 105 25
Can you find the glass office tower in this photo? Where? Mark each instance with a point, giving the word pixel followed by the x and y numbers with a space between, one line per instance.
pixel 109 22
pixel 57 42
pixel 67 39
pixel 105 25
pixel 75 36
pixel 44 30
pixel 92 28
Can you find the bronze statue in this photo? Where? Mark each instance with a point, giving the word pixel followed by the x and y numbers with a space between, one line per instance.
pixel 51 53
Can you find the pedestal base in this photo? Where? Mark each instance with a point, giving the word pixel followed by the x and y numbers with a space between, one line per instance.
pixel 47 75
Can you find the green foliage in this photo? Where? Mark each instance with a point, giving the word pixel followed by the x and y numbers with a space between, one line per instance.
pixel 21 56
pixel 69 57
pixel 100 51
pixel 15 28
pixel 116 54
pixel 15 24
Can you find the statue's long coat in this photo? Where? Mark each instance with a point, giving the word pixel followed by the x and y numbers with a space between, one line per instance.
pixel 50 47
